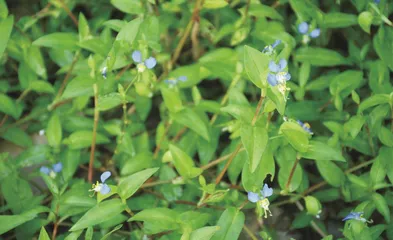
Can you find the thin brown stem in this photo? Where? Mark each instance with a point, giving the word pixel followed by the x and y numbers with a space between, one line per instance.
pixel 69 13
pixel 249 233
pixel 233 155
pixel 118 76
pixel 292 173
pixel 158 147
pixel 68 75
pixel 56 225
pixel 259 106
pixel 93 141
pixel 219 160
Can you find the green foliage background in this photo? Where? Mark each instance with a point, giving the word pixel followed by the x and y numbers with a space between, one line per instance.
pixel 183 155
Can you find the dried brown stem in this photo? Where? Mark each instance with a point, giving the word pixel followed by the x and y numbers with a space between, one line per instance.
pixel 93 141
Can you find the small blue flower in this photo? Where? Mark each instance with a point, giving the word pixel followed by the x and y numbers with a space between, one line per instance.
pixel 355 216
pixel 304 28
pixel 305 126
pixel 261 198
pixel 280 77
pixel 52 172
pixel 377 1
pixel 103 72
pixel 269 49
pixel 173 82
pixel 102 187
pixel 141 66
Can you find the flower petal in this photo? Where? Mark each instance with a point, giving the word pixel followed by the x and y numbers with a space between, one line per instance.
pixel 266 191
pixel 182 78
pixel 273 67
pixel 276 43
pixel 287 77
pixel 105 189
pixel 282 64
pixel 315 33
pixel 303 28
pixel 57 167
pixel 253 197
pixel 137 56
pixel 105 176
pixel 45 170
pixel 150 62
pixel 271 79
pixel 353 215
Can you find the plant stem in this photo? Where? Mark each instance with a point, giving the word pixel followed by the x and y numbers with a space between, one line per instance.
pixel 313 224
pixel 249 233
pixel 70 14
pixel 158 147
pixel 219 160
pixel 93 142
pixel 292 172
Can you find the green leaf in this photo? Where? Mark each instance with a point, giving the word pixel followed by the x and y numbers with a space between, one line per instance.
pixel 82 139
pixel 42 87
pixel 112 231
pixel 51 184
pixel 378 171
pixel 339 20
pixel 129 32
pixel 3 10
pixel 82 85
pixel 240 112
pixel 254 139
pixel 83 28
pixel 331 173
pixel 295 135
pixel 189 118
pixel 205 233
pixel 8 106
pixel 322 151
pixel 183 163
pixel 381 205
pixel 214 4
pixel 74 235
pixel 172 99
pixel 256 66
pixel 365 20
pixel 259 10
pixel 163 219
pixel 109 101
pixel 382 45
pixel 18 137
pixel 129 185
pixel 231 224
pixel 374 100
pixel 306 10
pixel 320 57
pixel 128 6
pixel 5 29
pixel 54 131
pixel 137 163
pixel 89 233
pixel 385 135
pixel 59 40
pixel 43 234
pixel 99 214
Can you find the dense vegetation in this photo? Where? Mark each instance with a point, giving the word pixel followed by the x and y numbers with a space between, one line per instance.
pixel 196 119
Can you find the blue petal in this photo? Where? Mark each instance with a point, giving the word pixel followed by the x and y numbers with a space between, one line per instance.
pixel 103 72
pixel 300 123
pixel 45 170
pixel 303 28
pixel 282 64
pixel 150 62
pixel 105 189
pixel 273 67
pixel 271 79
pixel 377 1
pixel 105 176
pixel 287 77
pixel 57 167
pixel 266 191
pixel 182 78
pixel 353 215
pixel 275 44
pixel 137 56
pixel 253 197
pixel 315 33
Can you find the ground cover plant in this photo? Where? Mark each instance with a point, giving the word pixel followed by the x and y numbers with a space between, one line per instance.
pixel 196 119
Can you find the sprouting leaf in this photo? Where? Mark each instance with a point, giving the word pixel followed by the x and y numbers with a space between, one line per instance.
pixel 365 19
pixel 43 234
pixel 99 214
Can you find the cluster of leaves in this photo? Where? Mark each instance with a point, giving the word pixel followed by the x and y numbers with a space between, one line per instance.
pixel 195 108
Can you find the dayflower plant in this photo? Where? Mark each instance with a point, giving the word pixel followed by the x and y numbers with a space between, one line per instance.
pixel 305 126
pixel 304 28
pixel 52 172
pixel 268 50
pixel 102 187
pixel 174 81
pixel 278 77
pixel 261 198
pixel 142 65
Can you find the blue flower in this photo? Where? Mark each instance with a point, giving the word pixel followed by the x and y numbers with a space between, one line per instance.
pixel 269 49
pixel 102 187
pixel 305 126
pixel 52 172
pixel 142 65
pixel 261 198
pixel 304 28
pixel 103 72
pixel 355 216
pixel 174 81
pixel 377 1
pixel 279 76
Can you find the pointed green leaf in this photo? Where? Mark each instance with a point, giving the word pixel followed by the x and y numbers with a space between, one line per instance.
pixel 43 234
pixel 54 131
pixel 256 66
pixel 191 119
pixel 321 151
pixel 295 135
pixel 129 185
pixel 254 139
pixel 231 224
pixel 5 29
pixel 183 163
